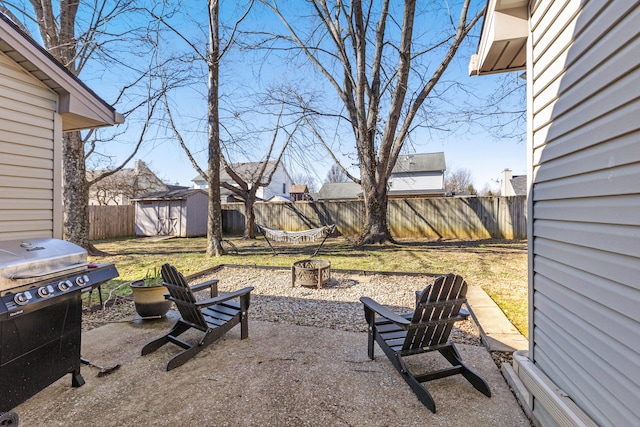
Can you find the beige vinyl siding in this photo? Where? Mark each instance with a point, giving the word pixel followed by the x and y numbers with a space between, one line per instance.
pixel 585 159
pixel 29 191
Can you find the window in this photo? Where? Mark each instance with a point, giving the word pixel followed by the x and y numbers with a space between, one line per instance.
pixel 284 188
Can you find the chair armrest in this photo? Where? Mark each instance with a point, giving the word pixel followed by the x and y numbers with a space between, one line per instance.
pixel 384 312
pixel 226 297
pixel 204 285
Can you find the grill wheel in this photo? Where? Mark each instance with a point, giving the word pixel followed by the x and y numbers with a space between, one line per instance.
pixel 9 419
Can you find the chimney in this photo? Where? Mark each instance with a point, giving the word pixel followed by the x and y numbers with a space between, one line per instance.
pixel 506 188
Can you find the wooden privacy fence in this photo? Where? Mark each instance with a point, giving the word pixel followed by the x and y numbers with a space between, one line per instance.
pixel 106 222
pixel 438 217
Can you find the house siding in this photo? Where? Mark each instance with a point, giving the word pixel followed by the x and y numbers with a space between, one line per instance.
pixel 584 150
pixel 275 188
pixel 30 195
pixel 414 181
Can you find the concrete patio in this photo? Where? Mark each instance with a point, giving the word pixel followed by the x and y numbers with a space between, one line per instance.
pixel 281 375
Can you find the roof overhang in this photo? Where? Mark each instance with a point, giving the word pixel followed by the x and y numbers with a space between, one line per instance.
pixel 503 39
pixel 79 107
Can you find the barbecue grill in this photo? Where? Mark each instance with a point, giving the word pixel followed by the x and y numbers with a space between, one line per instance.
pixel 41 285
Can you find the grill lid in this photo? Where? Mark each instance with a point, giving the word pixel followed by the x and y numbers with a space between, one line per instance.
pixel 29 260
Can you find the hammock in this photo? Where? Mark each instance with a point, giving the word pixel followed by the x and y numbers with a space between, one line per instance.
pixel 296 237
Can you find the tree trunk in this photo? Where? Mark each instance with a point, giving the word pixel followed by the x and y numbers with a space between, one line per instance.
pixel 376 228
pixel 250 219
pixel 75 191
pixel 214 223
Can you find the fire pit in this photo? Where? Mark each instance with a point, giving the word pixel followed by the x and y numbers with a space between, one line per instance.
pixel 310 273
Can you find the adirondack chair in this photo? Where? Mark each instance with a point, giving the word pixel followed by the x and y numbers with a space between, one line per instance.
pixel 213 316
pixel 438 307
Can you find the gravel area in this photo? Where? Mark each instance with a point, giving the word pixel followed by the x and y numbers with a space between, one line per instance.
pixel 336 305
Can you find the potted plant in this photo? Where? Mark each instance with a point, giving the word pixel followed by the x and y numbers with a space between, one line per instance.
pixel 148 295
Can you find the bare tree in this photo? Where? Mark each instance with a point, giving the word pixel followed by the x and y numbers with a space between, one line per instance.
pixel 351 47
pixel 212 59
pixel 489 191
pixel 305 179
pixel 247 180
pixel 214 224
pixel 336 175
pixel 126 184
pixel 458 181
pixel 75 43
pixel 247 186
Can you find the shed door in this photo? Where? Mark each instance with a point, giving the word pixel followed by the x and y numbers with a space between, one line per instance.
pixel 168 223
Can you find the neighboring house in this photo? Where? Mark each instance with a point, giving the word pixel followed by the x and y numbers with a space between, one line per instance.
pixel 180 213
pixel 200 182
pixel 124 185
pixel 339 191
pixel 418 175
pixel 513 185
pixel 299 193
pixel 279 186
pixel 39 100
pixel 583 99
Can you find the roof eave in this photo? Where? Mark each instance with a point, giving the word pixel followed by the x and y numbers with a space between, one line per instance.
pixel 503 39
pixel 79 106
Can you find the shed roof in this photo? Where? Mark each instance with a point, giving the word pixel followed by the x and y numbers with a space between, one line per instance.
pixel 79 107
pixel 425 162
pixel 179 194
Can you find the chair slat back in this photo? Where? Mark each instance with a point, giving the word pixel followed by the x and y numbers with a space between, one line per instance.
pixel 182 296
pixel 437 308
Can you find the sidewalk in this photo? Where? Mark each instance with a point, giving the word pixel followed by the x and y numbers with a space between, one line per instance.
pixel 496 331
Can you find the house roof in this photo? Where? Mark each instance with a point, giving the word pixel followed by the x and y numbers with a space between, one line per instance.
pixel 426 162
pixel 247 171
pixel 180 194
pixel 79 107
pixel 519 185
pixel 176 187
pixel 130 175
pixel 339 191
pixel 503 38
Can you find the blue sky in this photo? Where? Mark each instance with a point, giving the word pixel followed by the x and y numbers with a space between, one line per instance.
pixel 469 146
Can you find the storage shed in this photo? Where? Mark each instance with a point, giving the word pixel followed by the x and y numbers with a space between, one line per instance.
pixel 179 213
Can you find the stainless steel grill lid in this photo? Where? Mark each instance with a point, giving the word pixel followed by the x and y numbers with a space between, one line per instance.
pixel 30 260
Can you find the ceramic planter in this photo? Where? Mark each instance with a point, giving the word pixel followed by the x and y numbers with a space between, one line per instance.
pixel 149 300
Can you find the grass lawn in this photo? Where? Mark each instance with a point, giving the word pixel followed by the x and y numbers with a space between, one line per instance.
pixel 500 267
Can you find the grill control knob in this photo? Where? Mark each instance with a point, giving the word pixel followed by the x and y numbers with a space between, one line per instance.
pixel 80 281
pixel 44 292
pixel 65 286
pixel 21 298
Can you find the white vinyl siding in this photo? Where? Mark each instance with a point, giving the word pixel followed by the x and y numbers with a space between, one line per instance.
pixel 428 181
pixel 279 186
pixel 29 194
pixel 585 204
